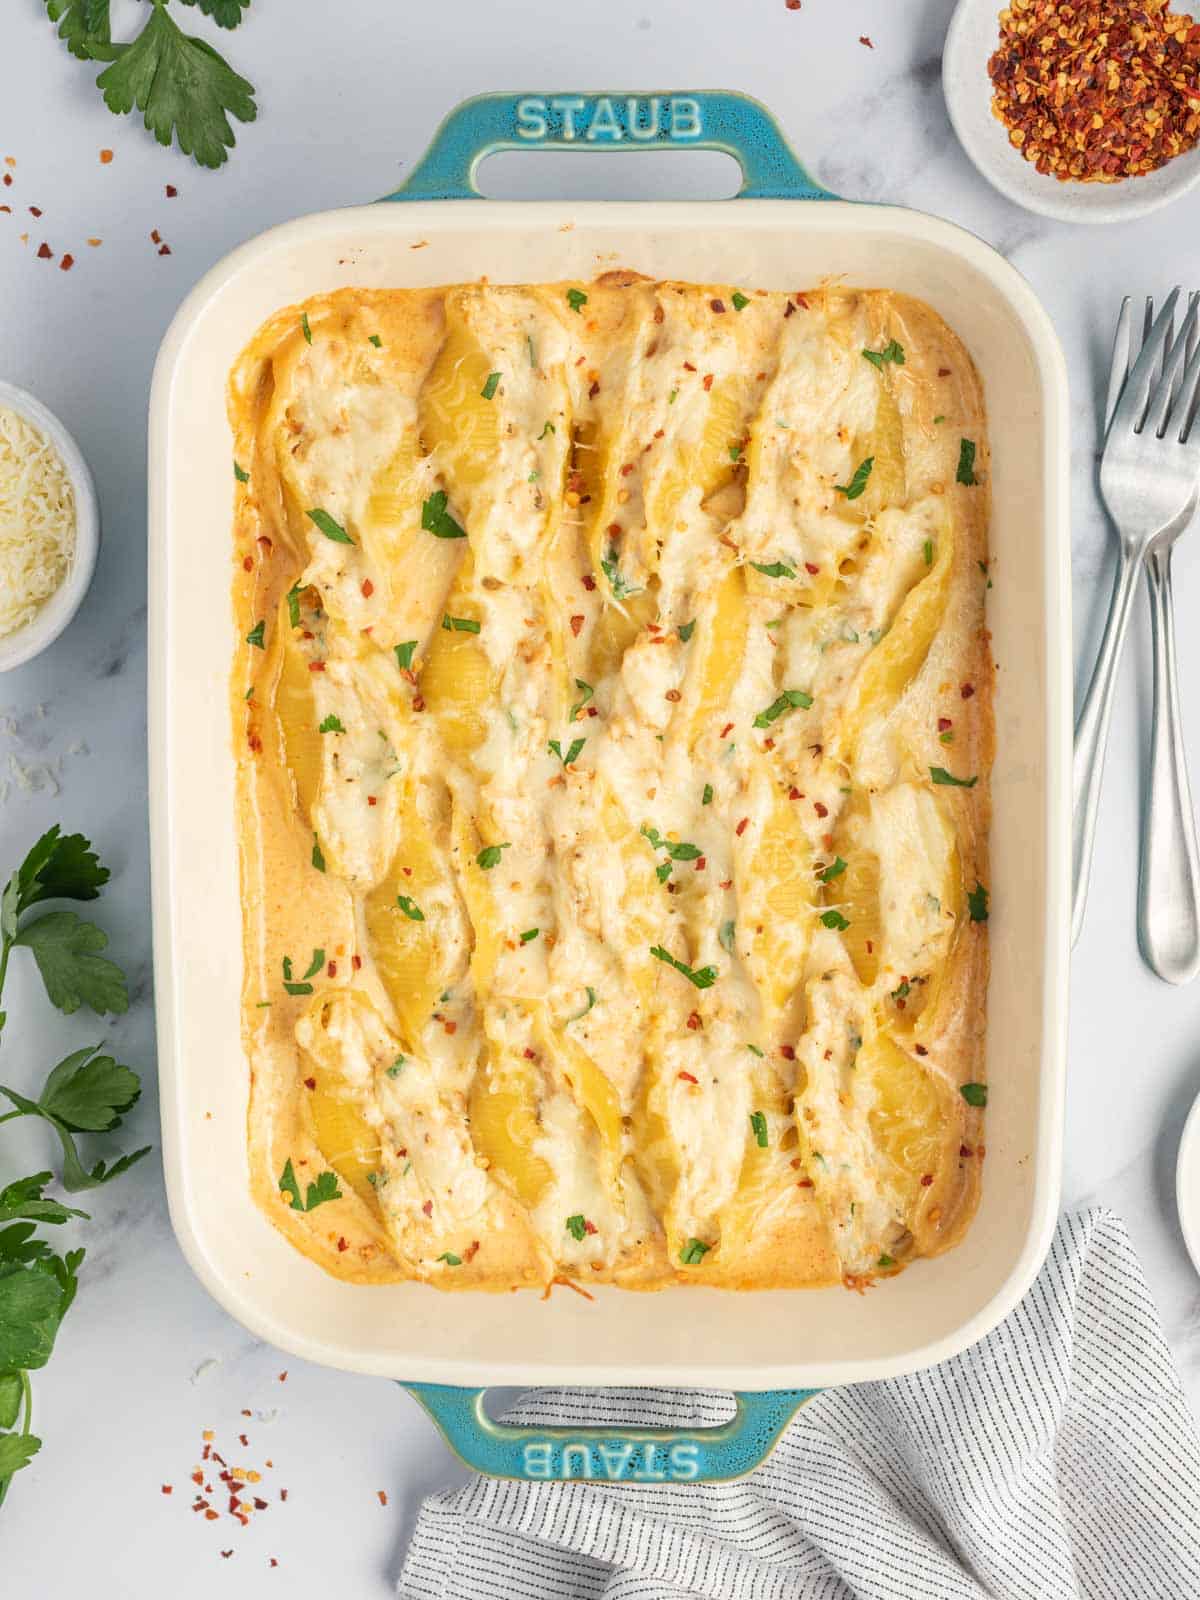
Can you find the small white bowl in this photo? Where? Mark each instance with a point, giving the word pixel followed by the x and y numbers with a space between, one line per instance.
pixel 1187 1183
pixel 972 39
pixel 42 630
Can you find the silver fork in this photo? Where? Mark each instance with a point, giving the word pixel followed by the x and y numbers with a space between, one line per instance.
pixel 1150 483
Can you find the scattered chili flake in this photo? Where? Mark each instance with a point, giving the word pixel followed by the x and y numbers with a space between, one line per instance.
pixel 316 666
pixel 225 1553
pixel 210 1515
pixel 594 388
pixel 356 962
pixel 8 180
pixel 792 5
pixel 1096 92
pixel 247 563
pixel 283 1379
pixel 45 253
pixel 794 793
pixel 164 249
pixel 693 1023
pixel 726 729
pixel 864 39
pixel 368 588
pixel 674 695
pixel 708 381
pixel 283 1494
pixel 717 305
pixel 342 1244
pixel 967 690
pixel 271 1561
pixel 788 1052
pixel 920 1049
pixel 310 1083
pixel 382 1493
pixel 35 211
pixel 821 809
pixel 172 191
pixel 7 210
pixel 95 242
pixel 944 723
pixel 811 569
pixel 686 1077
pixel 168 1488
pixel 331 969
pixel 688 367
pixel 742 826
pixel 965 1150
pixel 155 237
pixel 372 800
pixel 105 157
pixel 427 1208
pixel 576 624
pixel 805 1183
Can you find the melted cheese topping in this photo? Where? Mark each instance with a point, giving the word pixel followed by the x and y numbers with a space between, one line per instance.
pixel 613 722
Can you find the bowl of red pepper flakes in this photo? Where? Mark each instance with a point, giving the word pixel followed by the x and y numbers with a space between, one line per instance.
pixel 1087 110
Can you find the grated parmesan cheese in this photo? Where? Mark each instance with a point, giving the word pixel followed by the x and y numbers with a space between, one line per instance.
pixel 37 521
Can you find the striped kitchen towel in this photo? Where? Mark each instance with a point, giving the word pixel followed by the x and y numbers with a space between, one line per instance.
pixel 1055 1459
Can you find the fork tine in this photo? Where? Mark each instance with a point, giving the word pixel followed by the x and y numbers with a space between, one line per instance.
pixel 1162 396
pixel 1119 370
pixel 1132 404
pixel 1189 391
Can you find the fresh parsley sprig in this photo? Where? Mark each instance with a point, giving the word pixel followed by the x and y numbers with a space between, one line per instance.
pixel 87 1092
pixel 184 88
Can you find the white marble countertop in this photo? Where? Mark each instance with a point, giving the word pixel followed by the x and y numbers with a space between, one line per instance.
pixel 146 1360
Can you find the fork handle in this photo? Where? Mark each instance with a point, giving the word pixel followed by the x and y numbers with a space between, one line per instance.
pixel 1091 736
pixel 1169 882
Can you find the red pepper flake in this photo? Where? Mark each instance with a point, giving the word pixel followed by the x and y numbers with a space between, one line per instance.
pixel 368 588
pixel 967 690
pixel 943 372
pixel 821 809
pixel 863 39
pixel 627 469
pixel 331 969
pixel 224 1553
pixel 926 1180
pixel 168 1488
pixel 742 826
pixel 356 962
pixel 708 381
pixel 156 237
pixel 594 389
pixel 688 367
pixel 259 1504
pixel 254 741
pixel 371 800
pixel 164 249
pixel 659 433
pixel 283 1379
pixel 693 1021
pixel 870 947
pixel 805 1183
pixel 283 1494
pixel 589 583
pixel 247 564
pixel 382 1493
pixel 95 242
pixel 614 530
pixel 450 1027
pixel 686 1077
pixel 316 666
pixel 7 209
pixel 944 723
pixel 701 863
pixel 673 695
pixel 717 305
pixel 788 1052
pixel 8 180
pixel 418 702
pixel 794 793
pixel 726 729
pixel 789 310
pixel 310 1083
pixel 271 1561
pixel 105 157
pixel 577 624
pixel 211 1516
pixel 727 883
pixel 965 1150
pixel 920 1049
pixel 172 191
pixel 792 5
pixel 811 569
pixel 427 1208
pixel 35 211
pixel 342 1245
pixel 45 253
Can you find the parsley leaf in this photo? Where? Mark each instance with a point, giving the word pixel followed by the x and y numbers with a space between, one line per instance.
pixel 577 1227
pixel 404 654
pixel 886 1261
pixel 576 299
pixel 773 569
pixel 975 1094
pixel 84 27
pixel 940 775
pixel 728 929
pixel 977 903
pixel 331 724
pixel 685 630
pixel 293 604
pixel 489 856
pixel 17 1450
pixel 758 1124
pixel 67 952
pixel 225 13
pixel 331 529
pixel 90 1093
pixel 325 1188
pixel 740 301
pixel 891 351
pixel 305 327
pixel 702 977
pixel 591 1001
pixel 185 89
pixel 858 482
pixel 318 859
pixel 255 636
pixel 587 692
pixel 240 473
pixel 489 389
pixel 549 428
pixel 833 871
pixel 573 750
pixel 927 552
pixel 450 1258
pixel 966 463
pixel 410 908
pixel 788 701
pixel 529 935
pixel 694 1252
pixel 437 520
pixel 706 795
pixel 459 624
pixel 58 867
pixel 677 852
pixel 315 964
pixel 834 920
pixel 621 588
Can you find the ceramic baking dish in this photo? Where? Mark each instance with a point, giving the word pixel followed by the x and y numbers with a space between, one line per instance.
pixel 782 231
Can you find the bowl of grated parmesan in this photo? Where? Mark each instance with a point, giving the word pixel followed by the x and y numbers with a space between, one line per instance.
pixel 49 527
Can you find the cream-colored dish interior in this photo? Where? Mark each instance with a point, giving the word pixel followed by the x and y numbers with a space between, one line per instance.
pixel 743 1341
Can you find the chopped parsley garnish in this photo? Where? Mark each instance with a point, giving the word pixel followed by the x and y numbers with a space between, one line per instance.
pixel 396 1068
pixel 459 624
pixel 706 795
pixel 586 690
pixel 975 1094
pixel 373 338
pixel 685 630
pixel 620 586
pixel 788 701
pixel 331 529
pixel 672 397
pixel 591 1001
pixel 288 983
pixel 938 419
pixel 577 1227
pixel 977 903
pixel 735 452
pixel 758 1123
pixel 774 569
pixel 728 929
pixel 740 300
pixel 663 871
pixel 573 750
pixel 755 1049
pixel 885 1261
pixel 325 1188
pixel 249 694
pixel 927 552
pixel 489 856
pixel 529 347
pixel 940 775
pixel 677 852
pixel 694 1252
pixel 529 935
pixel 834 920
pixel 902 990
pixel 435 519
pixel 533 476
pixel 331 724
pixel 858 482
pixel 255 636
pixel 891 351
pixel 702 977
pixel 966 463
pixel 576 299
pixel 410 908
pixel 293 604
pixel 834 871
pixel 315 965
pixel 549 428
pixel 405 653
pixel 304 327
pixel 947 737
pixel 490 387
pixel 240 473
pixel 450 1258
pixel 318 860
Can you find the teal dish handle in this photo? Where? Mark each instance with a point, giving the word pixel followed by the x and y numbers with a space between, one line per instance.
pixel 610 1454
pixel 700 120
